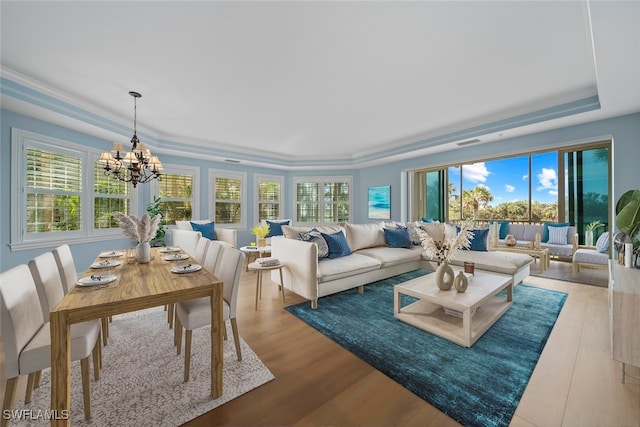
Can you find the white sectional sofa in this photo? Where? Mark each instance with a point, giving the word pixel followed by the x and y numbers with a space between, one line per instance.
pixel 371 259
pixel 184 236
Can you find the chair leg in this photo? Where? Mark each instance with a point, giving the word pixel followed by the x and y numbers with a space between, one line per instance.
pixel 86 387
pixel 187 354
pixel 36 379
pixel 177 335
pixel 96 360
pixel 224 333
pixel 105 330
pixel 236 338
pixel 170 315
pixel 9 394
pixel 28 392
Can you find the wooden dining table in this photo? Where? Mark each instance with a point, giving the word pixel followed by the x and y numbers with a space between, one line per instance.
pixel 138 286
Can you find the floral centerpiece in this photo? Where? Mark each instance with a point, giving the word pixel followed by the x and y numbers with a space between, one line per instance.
pixel 142 230
pixel 261 231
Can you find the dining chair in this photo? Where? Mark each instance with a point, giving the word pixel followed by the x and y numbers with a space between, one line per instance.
pixel 69 276
pixel 201 249
pixel 27 339
pixel 46 276
pixel 196 313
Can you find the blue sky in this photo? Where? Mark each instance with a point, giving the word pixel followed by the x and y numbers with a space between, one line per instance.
pixel 508 179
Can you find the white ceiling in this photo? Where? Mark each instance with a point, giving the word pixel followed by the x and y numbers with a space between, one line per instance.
pixel 352 83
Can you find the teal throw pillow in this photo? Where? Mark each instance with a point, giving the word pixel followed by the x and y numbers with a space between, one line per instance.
pixel 545 233
pixel 504 229
pixel 275 227
pixel 427 219
pixel 479 240
pixel 398 238
pixel 338 246
pixel 207 230
pixel 314 236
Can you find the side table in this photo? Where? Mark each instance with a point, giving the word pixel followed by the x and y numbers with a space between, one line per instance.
pixel 254 252
pixel 259 269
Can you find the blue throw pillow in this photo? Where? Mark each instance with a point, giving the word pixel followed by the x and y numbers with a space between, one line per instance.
pixel 338 246
pixel 504 229
pixel 545 233
pixel 398 238
pixel 275 227
pixel 207 230
pixel 427 219
pixel 479 240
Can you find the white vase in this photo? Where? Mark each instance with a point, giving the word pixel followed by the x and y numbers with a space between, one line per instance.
pixel 588 237
pixel 143 251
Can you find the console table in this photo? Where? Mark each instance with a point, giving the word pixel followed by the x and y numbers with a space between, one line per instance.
pixel 624 314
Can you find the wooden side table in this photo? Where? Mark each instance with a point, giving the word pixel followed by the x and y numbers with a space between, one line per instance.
pixel 254 252
pixel 259 269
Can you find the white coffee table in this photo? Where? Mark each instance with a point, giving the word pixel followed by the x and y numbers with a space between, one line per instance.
pixel 428 312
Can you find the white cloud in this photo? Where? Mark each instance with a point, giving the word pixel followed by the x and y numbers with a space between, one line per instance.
pixel 553 192
pixel 484 186
pixel 476 172
pixel 509 188
pixel 525 177
pixel 548 180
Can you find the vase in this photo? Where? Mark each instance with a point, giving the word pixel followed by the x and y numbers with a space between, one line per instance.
pixel 143 251
pixel 261 242
pixel 588 237
pixel 444 276
pixel 461 282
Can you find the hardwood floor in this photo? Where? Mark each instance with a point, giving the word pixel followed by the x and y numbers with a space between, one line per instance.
pixel 575 383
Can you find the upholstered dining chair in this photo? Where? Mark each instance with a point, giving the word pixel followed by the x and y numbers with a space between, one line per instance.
pixel 69 276
pixel 50 292
pixel 196 313
pixel 201 249
pixel 27 339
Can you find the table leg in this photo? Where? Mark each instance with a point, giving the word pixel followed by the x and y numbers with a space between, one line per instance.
pixel 258 277
pixel 466 327
pixel 217 342
pixel 281 284
pixel 60 369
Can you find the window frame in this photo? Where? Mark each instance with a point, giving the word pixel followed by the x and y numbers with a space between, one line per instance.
pixel 21 140
pixel 178 169
pixel 230 174
pixel 259 178
pixel 321 180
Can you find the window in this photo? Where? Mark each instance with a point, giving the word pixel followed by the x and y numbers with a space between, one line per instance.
pixel 177 191
pixel 228 198
pixel 60 194
pixel 269 197
pixel 323 199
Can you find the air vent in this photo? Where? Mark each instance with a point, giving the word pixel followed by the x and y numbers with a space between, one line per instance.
pixel 231 161
pixel 471 141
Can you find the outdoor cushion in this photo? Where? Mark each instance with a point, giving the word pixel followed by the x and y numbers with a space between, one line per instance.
pixel 558 235
pixel 602 245
pixel 590 256
pixel 337 268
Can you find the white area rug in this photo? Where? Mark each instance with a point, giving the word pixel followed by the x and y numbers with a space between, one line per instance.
pixel 141 383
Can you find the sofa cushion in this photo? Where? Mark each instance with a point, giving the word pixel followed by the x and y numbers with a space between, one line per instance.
pixel 530 231
pixel 559 250
pixel 337 243
pixel 275 227
pixel 495 261
pixel 517 231
pixel 360 236
pixel 292 232
pixel 337 268
pixel 392 256
pixel 590 256
pixel 207 229
pixel 398 238
pixel 558 235
pixel 315 236
pixel 602 245
pixel 545 233
pixel 435 230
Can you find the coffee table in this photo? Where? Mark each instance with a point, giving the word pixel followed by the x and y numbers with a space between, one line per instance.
pixel 476 310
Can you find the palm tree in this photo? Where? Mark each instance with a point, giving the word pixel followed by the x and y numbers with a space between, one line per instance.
pixel 477 198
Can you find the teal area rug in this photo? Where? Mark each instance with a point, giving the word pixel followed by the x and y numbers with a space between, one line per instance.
pixel 477 386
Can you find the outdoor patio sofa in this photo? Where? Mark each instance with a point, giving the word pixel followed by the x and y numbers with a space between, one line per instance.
pixel 527 233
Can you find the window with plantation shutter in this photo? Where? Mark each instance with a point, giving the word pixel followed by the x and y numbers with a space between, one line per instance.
pixel 228 198
pixel 110 196
pixel 177 192
pixel 323 199
pixel 269 197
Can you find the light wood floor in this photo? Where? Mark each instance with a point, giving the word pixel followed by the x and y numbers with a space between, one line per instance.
pixel 319 383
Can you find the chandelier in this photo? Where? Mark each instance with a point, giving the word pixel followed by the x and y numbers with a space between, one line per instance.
pixel 135 166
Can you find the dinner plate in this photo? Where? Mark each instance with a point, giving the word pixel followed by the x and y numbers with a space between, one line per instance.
pixel 105 264
pixel 97 279
pixel 169 249
pixel 186 268
pixel 175 257
pixel 111 254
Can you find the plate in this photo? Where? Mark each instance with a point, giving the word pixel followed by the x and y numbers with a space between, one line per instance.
pixel 175 257
pixel 186 268
pixel 97 279
pixel 111 254
pixel 105 264
pixel 169 249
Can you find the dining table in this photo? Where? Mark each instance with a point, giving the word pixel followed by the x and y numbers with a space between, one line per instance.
pixel 137 286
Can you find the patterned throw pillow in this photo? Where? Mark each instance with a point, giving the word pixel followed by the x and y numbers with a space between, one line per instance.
pixel 558 235
pixel 413 234
pixel 338 246
pixel 315 236
pixel 602 245
pixel 398 238
pixel 479 240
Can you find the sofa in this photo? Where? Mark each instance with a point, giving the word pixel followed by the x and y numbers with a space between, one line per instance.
pixel 370 258
pixel 187 238
pixel 527 233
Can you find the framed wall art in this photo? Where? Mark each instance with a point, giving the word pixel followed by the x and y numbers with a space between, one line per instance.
pixel 380 202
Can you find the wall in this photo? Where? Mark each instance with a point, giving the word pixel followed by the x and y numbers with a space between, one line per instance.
pixel 624 130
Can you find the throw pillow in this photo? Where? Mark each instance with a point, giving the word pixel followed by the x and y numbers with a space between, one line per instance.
pixel 398 238
pixel 558 235
pixel 545 233
pixel 479 240
pixel 413 234
pixel 314 236
pixel 602 245
pixel 337 243
pixel 504 229
pixel 427 220
pixel 275 227
pixel 207 230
